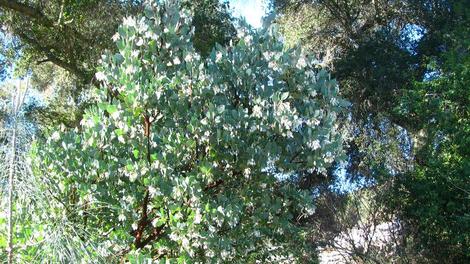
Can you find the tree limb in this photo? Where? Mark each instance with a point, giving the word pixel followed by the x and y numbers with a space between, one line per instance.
pixel 27 11
pixel 37 15
pixel 53 58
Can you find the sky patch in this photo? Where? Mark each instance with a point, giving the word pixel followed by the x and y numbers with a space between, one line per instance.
pixel 251 10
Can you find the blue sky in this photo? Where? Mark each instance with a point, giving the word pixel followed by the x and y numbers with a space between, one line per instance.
pixel 252 10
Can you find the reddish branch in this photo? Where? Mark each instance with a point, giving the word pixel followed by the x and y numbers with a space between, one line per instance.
pixel 156 232
pixel 147 125
pixel 143 222
pixel 213 185
pixel 219 182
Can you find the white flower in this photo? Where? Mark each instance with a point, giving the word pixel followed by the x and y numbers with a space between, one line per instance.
pixel 130 69
pixel 248 39
pixel 270 81
pixel 328 157
pixel 134 226
pixel 267 55
pixel 284 107
pixel 185 242
pixel 334 101
pixel 285 122
pixel 247 172
pixel 257 111
pixel 129 199
pixel 273 65
pixel 173 236
pixel 133 176
pixel 158 93
pixel 218 56
pixel 142 25
pixel 115 37
pixel 310 210
pixel 100 76
pixel 55 136
pixel 224 254
pixel 301 63
pixel 154 192
pixel 315 144
pixel 139 42
pixel 155 222
pixel 178 215
pixel 150 35
pixel 241 33
pixel 129 22
pixel 122 217
pixel 176 61
pixel 310 74
pixel 197 217
pixel 210 254
pixel 188 57
pixel 135 53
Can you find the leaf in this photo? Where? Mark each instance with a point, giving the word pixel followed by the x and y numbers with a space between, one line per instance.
pixel 205 169
pixel 119 132
pixel 111 109
pixel 284 96
pixel 136 153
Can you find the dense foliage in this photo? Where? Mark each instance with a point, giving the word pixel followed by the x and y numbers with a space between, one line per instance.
pixel 183 157
pixel 435 196
pixel 404 67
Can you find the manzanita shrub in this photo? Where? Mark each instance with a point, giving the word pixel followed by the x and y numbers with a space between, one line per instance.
pixel 181 156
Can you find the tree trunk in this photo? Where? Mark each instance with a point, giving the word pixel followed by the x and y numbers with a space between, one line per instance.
pixel 10 189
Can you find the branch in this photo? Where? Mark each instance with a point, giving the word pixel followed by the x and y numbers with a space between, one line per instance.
pixel 42 61
pixel 37 15
pixel 155 234
pixel 53 58
pixel 27 11
pixel 143 222
pixel 72 38
pixel 213 185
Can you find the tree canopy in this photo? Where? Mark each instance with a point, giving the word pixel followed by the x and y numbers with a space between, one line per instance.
pixel 403 66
